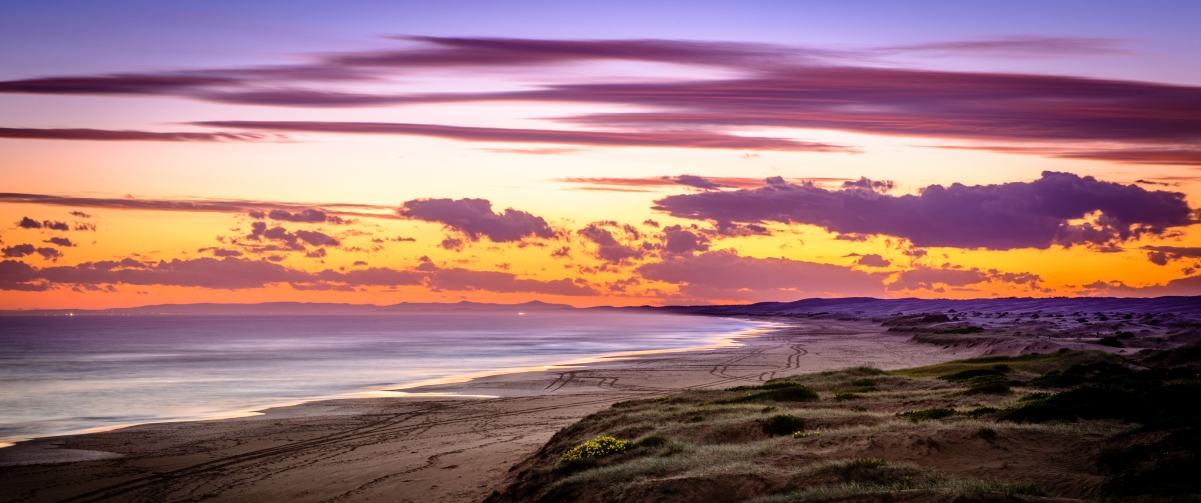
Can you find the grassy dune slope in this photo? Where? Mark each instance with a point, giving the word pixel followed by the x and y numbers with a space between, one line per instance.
pixel 1031 428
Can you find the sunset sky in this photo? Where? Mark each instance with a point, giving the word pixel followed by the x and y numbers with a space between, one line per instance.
pixel 596 153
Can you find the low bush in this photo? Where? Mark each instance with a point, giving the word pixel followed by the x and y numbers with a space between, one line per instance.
pixel 927 414
pixel 652 441
pixel 782 424
pixel 988 385
pixel 1057 379
pixel 982 411
pixel 793 393
pixel 769 385
pixel 1112 342
pixel 970 329
pixel 996 370
pixel 847 395
pixel 863 382
pixel 986 433
pixel 595 448
pixel 1035 396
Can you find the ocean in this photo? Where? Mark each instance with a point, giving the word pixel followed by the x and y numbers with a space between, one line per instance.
pixel 71 374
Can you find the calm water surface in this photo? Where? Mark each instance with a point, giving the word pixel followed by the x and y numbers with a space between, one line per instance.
pixel 69 374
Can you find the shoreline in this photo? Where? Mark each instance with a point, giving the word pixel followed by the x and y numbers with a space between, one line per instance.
pixel 396 390
pixel 439 447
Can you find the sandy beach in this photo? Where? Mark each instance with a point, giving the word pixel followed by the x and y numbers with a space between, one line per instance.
pixel 419 447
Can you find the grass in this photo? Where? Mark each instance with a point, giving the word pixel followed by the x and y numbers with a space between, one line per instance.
pixel 927 414
pixel 834 450
pixel 988 385
pixel 782 424
pixel 1037 363
pixel 791 393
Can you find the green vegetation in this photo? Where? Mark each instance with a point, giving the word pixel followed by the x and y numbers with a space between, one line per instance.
pixel 782 424
pixel 961 330
pixel 846 395
pixel 1162 400
pixel 999 369
pixel 1139 417
pixel 989 385
pixel 927 414
pixel 782 392
pixel 595 448
pixel 1036 363
pixel 652 441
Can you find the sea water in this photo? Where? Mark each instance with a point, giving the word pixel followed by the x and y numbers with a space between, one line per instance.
pixel 70 374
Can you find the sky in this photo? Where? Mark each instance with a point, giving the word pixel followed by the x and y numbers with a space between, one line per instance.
pixel 596 153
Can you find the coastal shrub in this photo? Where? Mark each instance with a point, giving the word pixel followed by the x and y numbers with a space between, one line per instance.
pixel 1037 411
pixel 846 395
pixel 970 329
pixel 986 433
pixel 793 393
pixel 652 441
pixel 865 370
pixel 863 382
pixel 1041 395
pixel 927 414
pixel 769 385
pixel 996 370
pixel 782 424
pixel 981 411
pixel 595 448
pixel 988 385
pixel 1057 379
pixel 1111 341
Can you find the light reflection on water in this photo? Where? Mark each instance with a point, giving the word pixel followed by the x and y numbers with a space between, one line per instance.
pixel 84 373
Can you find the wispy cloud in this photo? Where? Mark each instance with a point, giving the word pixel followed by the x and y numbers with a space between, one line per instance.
pixel 113 135
pixel 202 205
pixel 649 138
pixel 772 86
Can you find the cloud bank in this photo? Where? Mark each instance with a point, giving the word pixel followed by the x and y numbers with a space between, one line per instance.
pixel 1034 214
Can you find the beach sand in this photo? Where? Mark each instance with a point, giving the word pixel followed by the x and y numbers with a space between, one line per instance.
pixel 416 448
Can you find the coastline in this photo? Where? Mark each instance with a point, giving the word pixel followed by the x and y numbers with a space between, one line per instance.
pixel 716 339
pixel 448 446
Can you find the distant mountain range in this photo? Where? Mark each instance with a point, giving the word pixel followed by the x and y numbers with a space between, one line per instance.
pixel 854 306
pixel 867 307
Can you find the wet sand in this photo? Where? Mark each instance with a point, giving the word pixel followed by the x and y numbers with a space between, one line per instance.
pixel 416 448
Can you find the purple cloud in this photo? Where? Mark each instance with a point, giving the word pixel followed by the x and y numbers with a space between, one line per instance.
pixel 1001 217
pixel 109 135
pixel 195 205
pixel 29 223
pixel 18 250
pixel 873 260
pixel 934 278
pixel 237 273
pixel 1187 286
pixel 777 86
pixel 1161 255
pixel 608 248
pixel 636 138
pixel 724 274
pixel 64 242
pixel 474 218
pixel 680 241
pixel 290 240
pixel 307 215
